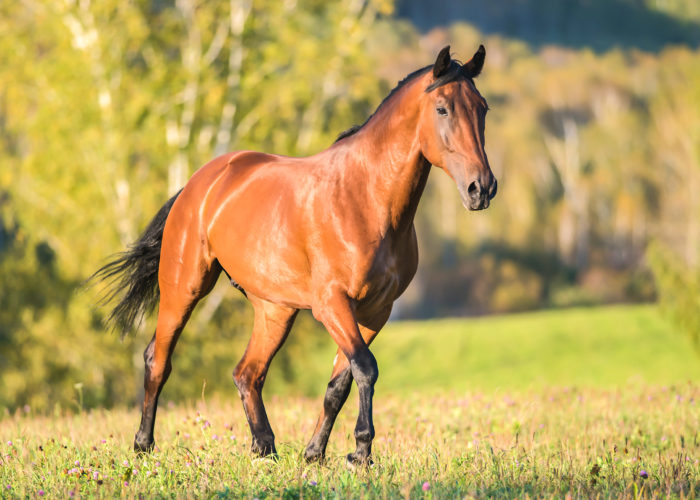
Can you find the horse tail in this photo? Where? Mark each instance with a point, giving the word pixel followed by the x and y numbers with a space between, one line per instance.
pixel 136 271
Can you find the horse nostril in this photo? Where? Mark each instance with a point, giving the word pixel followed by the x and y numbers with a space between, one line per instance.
pixel 493 190
pixel 474 189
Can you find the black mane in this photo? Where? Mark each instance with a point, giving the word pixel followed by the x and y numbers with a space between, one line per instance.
pixel 453 74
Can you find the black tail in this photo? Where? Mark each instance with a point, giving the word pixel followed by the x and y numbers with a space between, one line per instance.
pixel 135 271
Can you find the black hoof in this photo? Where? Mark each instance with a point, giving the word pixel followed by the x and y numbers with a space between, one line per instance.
pixel 143 446
pixel 264 449
pixel 355 461
pixel 312 456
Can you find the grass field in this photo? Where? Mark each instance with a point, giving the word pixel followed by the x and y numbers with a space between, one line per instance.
pixel 564 403
pixel 601 347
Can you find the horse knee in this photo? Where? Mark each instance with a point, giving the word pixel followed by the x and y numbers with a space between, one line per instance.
pixel 364 368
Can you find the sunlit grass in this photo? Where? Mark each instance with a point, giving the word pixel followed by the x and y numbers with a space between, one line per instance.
pixel 625 442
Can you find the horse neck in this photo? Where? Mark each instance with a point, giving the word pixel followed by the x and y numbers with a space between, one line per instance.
pixel 386 152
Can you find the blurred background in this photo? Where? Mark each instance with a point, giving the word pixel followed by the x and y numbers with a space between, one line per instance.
pixel 107 107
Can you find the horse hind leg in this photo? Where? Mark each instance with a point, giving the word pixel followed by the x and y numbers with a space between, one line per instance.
pixel 270 329
pixel 176 305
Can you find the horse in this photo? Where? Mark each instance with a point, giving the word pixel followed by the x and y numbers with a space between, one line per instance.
pixel 332 233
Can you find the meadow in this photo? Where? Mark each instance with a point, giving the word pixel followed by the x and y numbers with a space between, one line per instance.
pixel 585 402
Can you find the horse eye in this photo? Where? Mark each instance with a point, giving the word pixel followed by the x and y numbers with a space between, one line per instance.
pixel 442 111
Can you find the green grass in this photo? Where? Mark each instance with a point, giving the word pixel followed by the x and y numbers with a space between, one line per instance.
pixel 548 443
pixel 602 347
pixel 592 347
pixel 580 402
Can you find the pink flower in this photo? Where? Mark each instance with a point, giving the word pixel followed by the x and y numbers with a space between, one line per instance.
pixel 40 493
pixel 426 486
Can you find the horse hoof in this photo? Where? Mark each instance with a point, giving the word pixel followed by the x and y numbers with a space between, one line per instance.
pixel 312 456
pixel 143 448
pixel 353 462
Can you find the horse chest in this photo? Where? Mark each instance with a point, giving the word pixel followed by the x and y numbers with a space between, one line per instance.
pixel 390 273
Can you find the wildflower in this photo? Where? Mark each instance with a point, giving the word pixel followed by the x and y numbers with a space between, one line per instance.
pixel 9 487
pixel 95 475
pixel 157 464
pixel 313 483
pixel 40 493
pixel 126 483
pixel 148 473
pixel 643 474
pixel 104 441
pixel 125 463
pixel 71 493
pixel 77 463
pixel 426 486
pixel 9 443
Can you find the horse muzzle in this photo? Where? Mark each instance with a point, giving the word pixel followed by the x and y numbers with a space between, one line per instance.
pixel 476 196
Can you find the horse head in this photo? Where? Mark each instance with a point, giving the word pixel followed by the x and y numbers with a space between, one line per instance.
pixel 451 127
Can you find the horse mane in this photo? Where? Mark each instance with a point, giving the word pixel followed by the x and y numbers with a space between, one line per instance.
pixel 453 74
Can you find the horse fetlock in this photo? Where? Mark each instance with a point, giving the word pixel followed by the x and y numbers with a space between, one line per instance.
pixel 364 434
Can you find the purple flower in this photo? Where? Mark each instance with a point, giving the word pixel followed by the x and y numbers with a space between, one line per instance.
pixel 95 475
pixel 9 443
pixel 125 463
pixel 9 487
pixel 77 463
pixel 126 483
pixel 426 486
pixel 643 474
pixel 313 483
pixel 40 493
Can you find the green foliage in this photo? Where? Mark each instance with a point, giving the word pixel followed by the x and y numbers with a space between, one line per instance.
pixel 106 108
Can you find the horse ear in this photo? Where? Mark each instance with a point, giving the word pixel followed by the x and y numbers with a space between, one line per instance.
pixel 442 63
pixel 473 67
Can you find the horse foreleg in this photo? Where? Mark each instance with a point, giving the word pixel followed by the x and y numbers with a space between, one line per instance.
pixel 336 314
pixel 337 392
pixel 270 329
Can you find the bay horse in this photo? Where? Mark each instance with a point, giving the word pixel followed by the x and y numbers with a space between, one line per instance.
pixel 332 232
